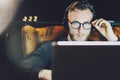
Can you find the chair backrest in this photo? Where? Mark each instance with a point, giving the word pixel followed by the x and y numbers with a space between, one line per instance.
pixel 31 36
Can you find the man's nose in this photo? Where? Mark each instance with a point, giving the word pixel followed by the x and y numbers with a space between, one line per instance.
pixel 80 28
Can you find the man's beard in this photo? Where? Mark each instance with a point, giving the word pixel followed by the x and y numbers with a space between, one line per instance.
pixel 77 38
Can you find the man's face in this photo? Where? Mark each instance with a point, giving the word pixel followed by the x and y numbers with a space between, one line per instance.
pixel 80 16
pixel 7 12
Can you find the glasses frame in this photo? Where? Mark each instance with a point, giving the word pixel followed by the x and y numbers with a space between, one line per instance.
pixel 80 24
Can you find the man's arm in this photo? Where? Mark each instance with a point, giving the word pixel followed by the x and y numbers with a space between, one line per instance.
pixel 38 60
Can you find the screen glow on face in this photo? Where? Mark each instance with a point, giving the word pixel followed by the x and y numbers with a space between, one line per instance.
pixel 79 23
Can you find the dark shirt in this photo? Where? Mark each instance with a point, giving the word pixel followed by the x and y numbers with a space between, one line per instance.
pixel 39 59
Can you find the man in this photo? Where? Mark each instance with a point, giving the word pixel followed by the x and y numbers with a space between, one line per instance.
pixel 8 10
pixel 79 23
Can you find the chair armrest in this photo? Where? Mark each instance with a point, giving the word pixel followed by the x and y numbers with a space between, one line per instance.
pixel 29 40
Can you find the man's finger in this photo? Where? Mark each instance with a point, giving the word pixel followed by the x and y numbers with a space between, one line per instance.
pixel 98 22
pixel 94 21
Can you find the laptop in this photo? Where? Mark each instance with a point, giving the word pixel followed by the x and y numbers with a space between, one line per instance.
pixel 88 60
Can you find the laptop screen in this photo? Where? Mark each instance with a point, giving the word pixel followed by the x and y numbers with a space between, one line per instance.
pixel 74 60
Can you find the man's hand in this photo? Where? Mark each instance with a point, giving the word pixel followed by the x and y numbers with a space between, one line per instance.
pixel 45 74
pixel 105 28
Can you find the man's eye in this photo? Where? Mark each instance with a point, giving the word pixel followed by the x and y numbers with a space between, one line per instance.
pixel 75 24
pixel 87 24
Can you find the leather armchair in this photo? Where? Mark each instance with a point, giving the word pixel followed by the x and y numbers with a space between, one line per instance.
pixel 32 37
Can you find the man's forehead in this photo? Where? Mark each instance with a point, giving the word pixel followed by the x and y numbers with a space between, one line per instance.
pixel 77 14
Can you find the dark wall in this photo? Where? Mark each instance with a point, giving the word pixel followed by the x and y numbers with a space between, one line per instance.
pixel 53 10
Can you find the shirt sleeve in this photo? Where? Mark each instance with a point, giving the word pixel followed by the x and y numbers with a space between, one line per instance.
pixel 39 59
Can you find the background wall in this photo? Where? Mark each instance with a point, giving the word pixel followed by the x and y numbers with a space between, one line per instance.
pixel 53 10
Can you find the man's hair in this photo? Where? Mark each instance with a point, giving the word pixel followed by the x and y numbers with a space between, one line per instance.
pixel 81 5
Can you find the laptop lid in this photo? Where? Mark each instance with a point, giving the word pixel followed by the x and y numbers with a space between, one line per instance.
pixel 88 60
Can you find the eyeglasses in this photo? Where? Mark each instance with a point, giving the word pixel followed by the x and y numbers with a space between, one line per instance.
pixel 76 25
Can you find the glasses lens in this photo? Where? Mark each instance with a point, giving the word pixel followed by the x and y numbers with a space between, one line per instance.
pixel 87 25
pixel 75 24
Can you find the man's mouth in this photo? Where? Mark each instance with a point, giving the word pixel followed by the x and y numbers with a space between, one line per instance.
pixel 80 35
